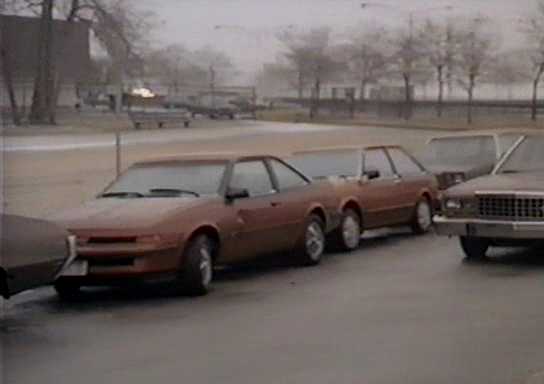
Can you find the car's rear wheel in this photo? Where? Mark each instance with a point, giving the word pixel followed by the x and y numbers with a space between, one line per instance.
pixel 197 273
pixel 423 217
pixel 312 244
pixel 67 289
pixel 347 236
pixel 475 248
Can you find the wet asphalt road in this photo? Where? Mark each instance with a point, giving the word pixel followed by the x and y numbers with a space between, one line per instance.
pixel 402 309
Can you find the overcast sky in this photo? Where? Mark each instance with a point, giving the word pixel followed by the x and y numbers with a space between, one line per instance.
pixel 249 26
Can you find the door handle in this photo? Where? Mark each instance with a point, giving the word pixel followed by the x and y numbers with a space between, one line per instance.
pixel 275 203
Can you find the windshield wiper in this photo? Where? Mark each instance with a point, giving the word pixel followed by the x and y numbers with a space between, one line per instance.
pixel 174 191
pixel 122 194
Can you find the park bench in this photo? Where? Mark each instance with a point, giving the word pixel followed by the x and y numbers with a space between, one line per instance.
pixel 140 118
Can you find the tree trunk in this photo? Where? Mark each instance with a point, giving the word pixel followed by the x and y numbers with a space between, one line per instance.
pixel 362 96
pixel 42 111
pixel 440 90
pixel 534 104
pixel 407 97
pixel 300 86
pixel 314 107
pixel 8 80
pixel 470 98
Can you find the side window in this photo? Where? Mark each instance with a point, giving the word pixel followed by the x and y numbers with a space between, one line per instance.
pixel 287 178
pixel 253 176
pixel 376 159
pixel 404 163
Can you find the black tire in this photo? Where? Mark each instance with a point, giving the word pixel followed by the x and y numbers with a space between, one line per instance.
pixel 312 242
pixel 67 290
pixel 186 124
pixel 419 224
pixel 475 248
pixel 347 236
pixel 197 272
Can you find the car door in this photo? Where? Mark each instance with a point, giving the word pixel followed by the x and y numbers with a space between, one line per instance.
pixel 258 220
pixel 293 200
pixel 378 195
pixel 412 179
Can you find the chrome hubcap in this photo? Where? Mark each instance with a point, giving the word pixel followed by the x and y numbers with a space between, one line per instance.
pixel 315 241
pixel 424 215
pixel 205 266
pixel 351 232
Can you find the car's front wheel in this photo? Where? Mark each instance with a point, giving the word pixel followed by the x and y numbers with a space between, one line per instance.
pixel 475 248
pixel 197 273
pixel 312 244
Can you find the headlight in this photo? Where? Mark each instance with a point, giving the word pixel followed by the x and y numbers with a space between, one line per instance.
pixel 453 204
pixel 457 178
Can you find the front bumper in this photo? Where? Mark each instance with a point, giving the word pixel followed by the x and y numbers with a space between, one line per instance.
pixel 110 264
pixel 495 229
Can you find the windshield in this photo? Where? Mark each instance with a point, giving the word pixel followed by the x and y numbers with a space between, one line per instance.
pixel 460 151
pixel 328 163
pixel 527 157
pixel 166 180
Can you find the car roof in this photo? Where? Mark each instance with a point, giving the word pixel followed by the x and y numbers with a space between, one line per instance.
pixel 343 148
pixel 204 157
pixel 486 132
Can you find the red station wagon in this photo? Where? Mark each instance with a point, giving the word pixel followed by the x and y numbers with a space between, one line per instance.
pixel 377 187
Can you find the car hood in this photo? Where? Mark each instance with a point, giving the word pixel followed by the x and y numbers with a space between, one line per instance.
pixel 126 214
pixel 466 169
pixel 518 182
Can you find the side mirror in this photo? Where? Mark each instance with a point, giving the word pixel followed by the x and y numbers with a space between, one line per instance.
pixel 236 193
pixel 372 174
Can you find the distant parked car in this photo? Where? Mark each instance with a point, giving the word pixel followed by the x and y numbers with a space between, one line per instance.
pixel 502 209
pixel 457 158
pixel 32 253
pixel 377 187
pixel 178 217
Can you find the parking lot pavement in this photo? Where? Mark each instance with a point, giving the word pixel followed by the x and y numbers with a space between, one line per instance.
pixel 402 309
pixel 201 130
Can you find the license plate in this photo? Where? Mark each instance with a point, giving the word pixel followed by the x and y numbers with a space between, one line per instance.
pixel 76 268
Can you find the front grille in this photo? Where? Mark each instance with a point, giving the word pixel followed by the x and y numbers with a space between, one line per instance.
pixel 511 207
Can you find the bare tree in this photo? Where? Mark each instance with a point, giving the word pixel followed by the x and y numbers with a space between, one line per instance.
pixel 297 57
pixel 175 66
pixel 407 61
pixel 43 108
pixel 367 57
pixel 534 32
pixel 117 24
pixel 7 75
pixel 475 52
pixel 308 53
pixel 507 69
pixel 440 50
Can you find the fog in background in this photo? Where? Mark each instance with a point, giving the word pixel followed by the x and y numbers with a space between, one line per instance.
pixel 248 28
